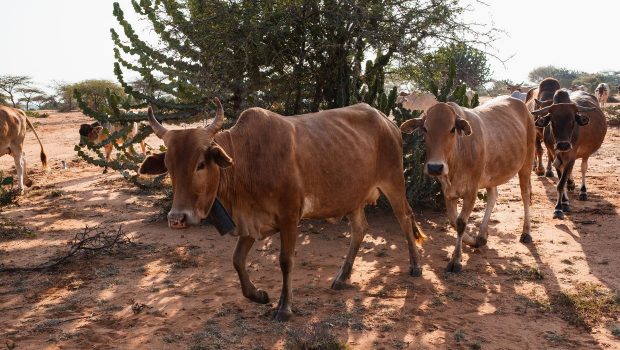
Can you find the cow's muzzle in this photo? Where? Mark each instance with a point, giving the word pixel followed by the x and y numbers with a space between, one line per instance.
pixel 563 146
pixel 434 169
pixel 177 220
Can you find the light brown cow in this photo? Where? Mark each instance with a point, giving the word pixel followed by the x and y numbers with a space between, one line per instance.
pixel 271 171
pixel 602 93
pixel 98 132
pixel 469 149
pixel 574 127
pixel 13 124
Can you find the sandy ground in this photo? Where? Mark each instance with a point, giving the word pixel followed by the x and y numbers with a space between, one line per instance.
pixel 178 289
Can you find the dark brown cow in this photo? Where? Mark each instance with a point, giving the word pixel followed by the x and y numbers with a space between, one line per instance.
pixel 469 149
pixel 97 133
pixel 537 98
pixel 13 124
pixel 271 171
pixel 576 127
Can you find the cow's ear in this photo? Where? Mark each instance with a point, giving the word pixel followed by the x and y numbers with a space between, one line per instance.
pixel 542 122
pixel 462 126
pixel 410 125
pixel 154 165
pixel 582 120
pixel 219 156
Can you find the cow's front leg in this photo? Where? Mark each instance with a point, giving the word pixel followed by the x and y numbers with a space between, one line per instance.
pixel 451 211
pixel 244 244
pixel 469 200
pixel 562 204
pixel 550 159
pixel 538 165
pixel 481 239
pixel 583 194
pixel 359 225
pixel 288 235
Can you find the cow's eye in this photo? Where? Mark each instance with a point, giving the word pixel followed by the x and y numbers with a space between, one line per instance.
pixel 200 166
pixel 453 129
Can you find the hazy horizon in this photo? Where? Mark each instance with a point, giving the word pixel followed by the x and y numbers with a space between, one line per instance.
pixel 77 45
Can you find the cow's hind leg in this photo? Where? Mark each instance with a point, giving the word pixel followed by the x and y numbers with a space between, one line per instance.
pixel 20 168
pixel 481 239
pixel 244 244
pixel 583 194
pixel 455 264
pixel 538 165
pixel 359 225
pixel 526 197
pixel 406 219
pixel 288 235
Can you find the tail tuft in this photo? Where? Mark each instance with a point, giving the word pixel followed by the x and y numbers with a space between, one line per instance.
pixel 43 158
pixel 420 237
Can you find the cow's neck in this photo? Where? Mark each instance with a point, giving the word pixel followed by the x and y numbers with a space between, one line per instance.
pixel 225 189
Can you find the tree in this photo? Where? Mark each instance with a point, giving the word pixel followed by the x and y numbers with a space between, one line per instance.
pixel 563 75
pixel 3 99
pixel 10 83
pixel 29 93
pixel 591 80
pixel 94 92
pixel 472 67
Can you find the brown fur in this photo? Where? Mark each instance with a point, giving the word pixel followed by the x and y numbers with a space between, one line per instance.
pixel 544 92
pixel 501 145
pixel 563 125
pixel 13 123
pixel 97 133
pixel 271 171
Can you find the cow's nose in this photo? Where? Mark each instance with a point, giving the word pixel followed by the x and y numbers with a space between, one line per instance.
pixel 434 169
pixel 177 220
pixel 563 146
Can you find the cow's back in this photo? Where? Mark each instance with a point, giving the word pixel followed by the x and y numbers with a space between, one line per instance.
pixel 591 136
pixel 329 162
pixel 507 131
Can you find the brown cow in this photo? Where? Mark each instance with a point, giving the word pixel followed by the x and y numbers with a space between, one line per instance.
pixel 13 124
pixel 97 133
pixel 468 149
pixel 537 98
pixel 576 127
pixel 270 171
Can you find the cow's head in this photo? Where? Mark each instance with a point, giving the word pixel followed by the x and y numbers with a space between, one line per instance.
pixel 441 125
pixel 562 115
pixel 193 159
pixel 90 132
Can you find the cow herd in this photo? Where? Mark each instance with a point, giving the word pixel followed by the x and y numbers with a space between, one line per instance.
pixel 269 171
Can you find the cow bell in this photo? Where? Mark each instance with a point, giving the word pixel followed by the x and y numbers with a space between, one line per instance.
pixel 219 217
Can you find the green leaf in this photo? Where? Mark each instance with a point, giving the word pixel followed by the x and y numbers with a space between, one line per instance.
pixel 7 181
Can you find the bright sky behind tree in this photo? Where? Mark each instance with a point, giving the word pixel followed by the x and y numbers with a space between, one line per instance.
pixel 69 40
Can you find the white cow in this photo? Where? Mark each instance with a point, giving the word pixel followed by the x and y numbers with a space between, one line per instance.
pixel 602 93
pixel 418 101
pixel 519 95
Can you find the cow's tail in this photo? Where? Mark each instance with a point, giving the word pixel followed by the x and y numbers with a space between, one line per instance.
pixel 43 155
pixel 419 236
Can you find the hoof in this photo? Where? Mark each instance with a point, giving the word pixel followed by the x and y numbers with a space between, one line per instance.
pixel 583 196
pixel 526 238
pixel 566 208
pixel 282 315
pixel 540 172
pixel 549 173
pixel 558 214
pixel 339 285
pixel 415 271
pixel 570 186
pixel 260 296
pixel 480 242
pixel 454 267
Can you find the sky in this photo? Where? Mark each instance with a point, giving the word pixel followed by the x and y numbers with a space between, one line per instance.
pixel 69 40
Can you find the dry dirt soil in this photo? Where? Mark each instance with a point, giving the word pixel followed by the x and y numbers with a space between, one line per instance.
pixel 179 290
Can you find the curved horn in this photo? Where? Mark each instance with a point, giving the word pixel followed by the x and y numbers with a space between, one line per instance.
pixel 585 109
pixel 541 111
pixel 159 129
pixel 218 122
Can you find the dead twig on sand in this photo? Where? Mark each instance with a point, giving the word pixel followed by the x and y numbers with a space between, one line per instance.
pixel 89 242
